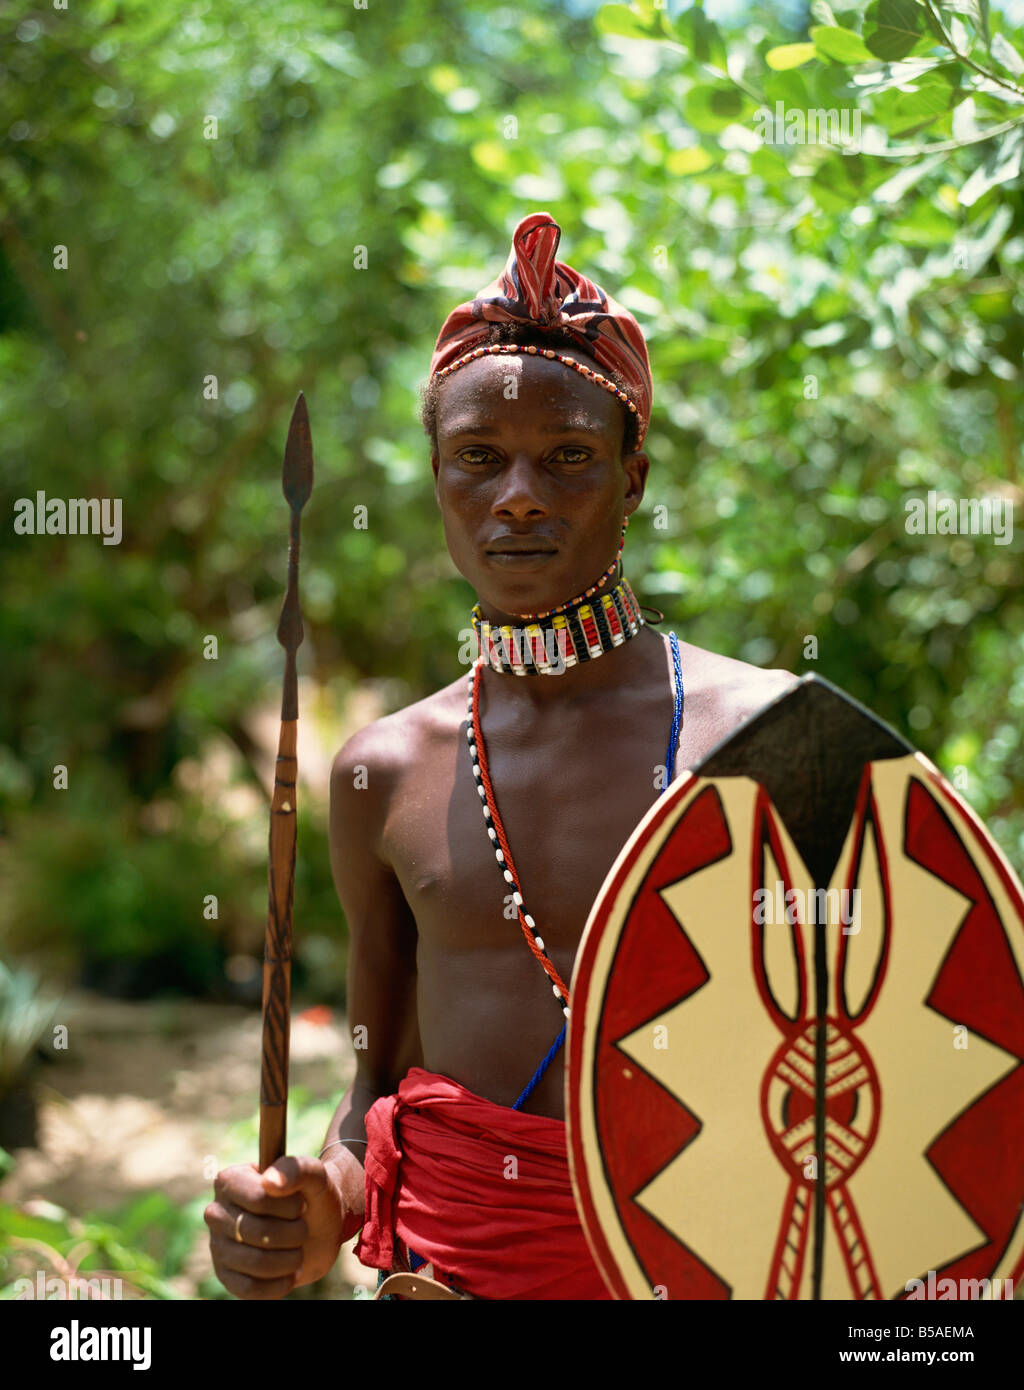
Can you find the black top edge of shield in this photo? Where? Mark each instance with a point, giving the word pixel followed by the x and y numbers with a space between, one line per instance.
pixel 808 748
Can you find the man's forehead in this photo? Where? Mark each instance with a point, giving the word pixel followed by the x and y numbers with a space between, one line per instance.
pixel 463 422
pixel 556 398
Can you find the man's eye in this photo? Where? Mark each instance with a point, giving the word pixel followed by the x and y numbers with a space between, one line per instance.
pixel 476 458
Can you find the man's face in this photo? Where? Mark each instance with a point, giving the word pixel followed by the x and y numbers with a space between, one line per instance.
pixel 531 480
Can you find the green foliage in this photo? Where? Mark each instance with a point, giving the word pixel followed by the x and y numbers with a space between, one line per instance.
pixel 25 1014
pixel 834 326
pixel 846 342
pixel 149 1241
pixel 42 1237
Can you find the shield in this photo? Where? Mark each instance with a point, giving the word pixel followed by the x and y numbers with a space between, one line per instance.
pixel 794 1054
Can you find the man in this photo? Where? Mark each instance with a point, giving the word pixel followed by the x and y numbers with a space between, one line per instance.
pixel 448 1152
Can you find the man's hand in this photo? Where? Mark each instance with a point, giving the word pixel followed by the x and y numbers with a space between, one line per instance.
pixel 273 1232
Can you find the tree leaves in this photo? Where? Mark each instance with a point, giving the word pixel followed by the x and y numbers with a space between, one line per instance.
pixel 711 109
pixel 914 105
pixel 974 10
pixel 1002 165
pixel 624 22
pixel 1007 56
pixel 892 28
pixel 692 160
pixel 790 55
pixel 842 45
pixel 701 37
pixel 900 184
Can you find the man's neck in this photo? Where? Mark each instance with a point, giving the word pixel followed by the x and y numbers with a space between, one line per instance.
pixel 627 664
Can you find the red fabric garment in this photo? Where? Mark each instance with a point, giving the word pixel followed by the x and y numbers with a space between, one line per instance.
pixel 536 289
pixel 437 1176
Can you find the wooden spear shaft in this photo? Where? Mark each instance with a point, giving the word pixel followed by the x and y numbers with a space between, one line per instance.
pixel 277 949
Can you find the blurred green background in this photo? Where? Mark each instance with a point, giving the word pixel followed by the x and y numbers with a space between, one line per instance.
pixel 292 196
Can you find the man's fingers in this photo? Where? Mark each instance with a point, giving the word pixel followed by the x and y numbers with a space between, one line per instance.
pixel 258 1237
pixel 261 1232
pixel 243 1186
pixel 265 1265
pixel 295 1174
pixel 243 1286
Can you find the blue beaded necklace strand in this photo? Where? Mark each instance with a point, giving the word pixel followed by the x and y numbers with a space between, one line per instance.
pixel 496 834
pixel 415 1261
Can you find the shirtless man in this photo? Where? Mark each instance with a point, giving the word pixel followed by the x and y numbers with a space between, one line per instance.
pixel 536 466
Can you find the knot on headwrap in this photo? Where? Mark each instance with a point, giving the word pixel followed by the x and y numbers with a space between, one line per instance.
pixel 537 290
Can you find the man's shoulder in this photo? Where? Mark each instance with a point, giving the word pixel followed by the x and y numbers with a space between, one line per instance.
pixel 731 688
pixel 392 743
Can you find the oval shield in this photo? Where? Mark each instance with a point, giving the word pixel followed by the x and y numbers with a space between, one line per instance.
pixel 795 1048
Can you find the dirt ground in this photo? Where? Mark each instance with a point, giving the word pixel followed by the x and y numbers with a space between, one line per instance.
pixel 142 1098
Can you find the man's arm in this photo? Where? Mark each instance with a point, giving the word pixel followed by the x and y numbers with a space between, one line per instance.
pixel 382 1012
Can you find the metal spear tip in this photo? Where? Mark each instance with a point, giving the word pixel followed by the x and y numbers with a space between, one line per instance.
pixel 297 477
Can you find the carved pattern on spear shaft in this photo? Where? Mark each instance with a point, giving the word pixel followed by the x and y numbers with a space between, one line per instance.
pixel 277 950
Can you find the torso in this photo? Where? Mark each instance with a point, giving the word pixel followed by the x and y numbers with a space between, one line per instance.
pixel 570 788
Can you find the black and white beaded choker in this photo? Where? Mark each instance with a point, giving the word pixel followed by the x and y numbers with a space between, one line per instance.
pixel 574 634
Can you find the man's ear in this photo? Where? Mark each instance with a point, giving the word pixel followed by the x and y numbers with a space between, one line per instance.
pixel 434 464
pixel 636 466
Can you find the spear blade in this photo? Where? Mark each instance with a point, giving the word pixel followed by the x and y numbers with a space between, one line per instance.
pixel 297 484
pixel 298 457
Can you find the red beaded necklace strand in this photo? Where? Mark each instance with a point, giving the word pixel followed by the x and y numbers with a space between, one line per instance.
pixel 496 832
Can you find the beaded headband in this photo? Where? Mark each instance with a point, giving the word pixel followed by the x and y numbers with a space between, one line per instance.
pixel 537 290
pixel 497 349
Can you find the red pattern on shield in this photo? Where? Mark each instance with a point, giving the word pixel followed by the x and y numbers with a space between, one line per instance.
pixel 817 1072
pixel 657 969
pixel 979 1155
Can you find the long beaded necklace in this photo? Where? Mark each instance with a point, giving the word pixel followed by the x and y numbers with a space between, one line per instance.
pixel 503 854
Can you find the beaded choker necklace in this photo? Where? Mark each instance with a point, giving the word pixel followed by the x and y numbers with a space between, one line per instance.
pixel 567 637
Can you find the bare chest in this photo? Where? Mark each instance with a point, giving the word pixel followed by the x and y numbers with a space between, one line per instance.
pixel 568 801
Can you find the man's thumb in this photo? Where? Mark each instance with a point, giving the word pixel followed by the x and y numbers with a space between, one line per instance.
pixel 290 1175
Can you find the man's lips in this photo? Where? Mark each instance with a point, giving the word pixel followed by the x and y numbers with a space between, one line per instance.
pixel 521 559
pixel 521 545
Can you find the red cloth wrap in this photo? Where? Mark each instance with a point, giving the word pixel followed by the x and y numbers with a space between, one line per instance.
pixel 536 289
pixel 498 1236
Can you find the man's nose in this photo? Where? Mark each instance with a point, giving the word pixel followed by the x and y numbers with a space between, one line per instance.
pixel 521 490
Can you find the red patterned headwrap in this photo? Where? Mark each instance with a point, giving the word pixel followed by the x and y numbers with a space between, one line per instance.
pixel 536 289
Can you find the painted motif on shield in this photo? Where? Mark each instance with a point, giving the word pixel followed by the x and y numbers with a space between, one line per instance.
pixel 795 1054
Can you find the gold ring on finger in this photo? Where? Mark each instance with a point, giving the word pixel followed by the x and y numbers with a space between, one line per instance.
pixel 264 1240
pixel 238 1223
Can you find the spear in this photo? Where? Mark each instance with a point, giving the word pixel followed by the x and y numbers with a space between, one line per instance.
pixel 277 949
